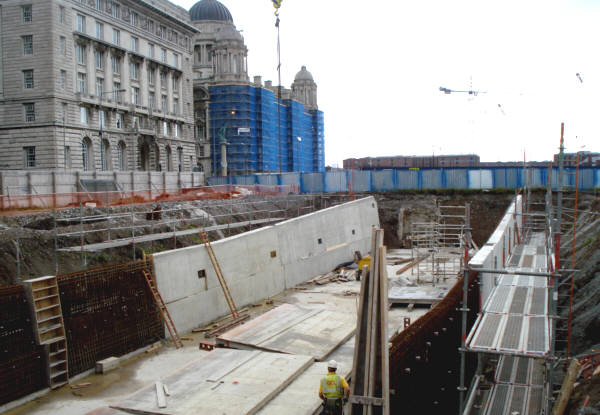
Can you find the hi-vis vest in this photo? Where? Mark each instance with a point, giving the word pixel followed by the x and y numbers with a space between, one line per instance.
pixel 331 386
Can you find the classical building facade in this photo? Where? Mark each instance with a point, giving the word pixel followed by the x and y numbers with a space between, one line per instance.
pixel 243 126
pixel 96 85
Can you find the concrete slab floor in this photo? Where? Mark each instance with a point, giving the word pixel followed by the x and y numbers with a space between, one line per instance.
pixel 144 369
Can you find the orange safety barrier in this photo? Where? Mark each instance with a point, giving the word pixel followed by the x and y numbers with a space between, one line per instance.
pixel 15 204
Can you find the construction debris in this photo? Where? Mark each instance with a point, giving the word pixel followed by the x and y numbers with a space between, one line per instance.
pixel 108 364
pixel 339 275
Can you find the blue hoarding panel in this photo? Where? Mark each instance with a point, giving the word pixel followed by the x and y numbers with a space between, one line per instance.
pixel 383 179
pixel 407 179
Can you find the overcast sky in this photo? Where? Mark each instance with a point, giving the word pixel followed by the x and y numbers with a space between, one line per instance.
pixel 379 65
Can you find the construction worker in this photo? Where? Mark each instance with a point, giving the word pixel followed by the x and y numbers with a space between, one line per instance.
pixel 332 390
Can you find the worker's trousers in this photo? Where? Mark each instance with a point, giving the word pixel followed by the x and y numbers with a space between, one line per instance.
pixel 333 407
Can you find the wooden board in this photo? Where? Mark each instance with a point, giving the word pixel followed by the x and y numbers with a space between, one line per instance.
pixel 248 380
pixel 293 329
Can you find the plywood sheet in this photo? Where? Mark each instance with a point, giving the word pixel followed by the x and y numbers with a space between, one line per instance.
pixel 294 329
pixel 228 381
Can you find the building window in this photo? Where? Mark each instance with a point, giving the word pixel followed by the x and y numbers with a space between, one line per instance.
pixel 115 10
pixel 63 79
pixel 134 44
pixel 176 60
pixel 117 91
pixel 63 112
pixel 121 156
pixel 150 76
pixel 99 30
pixel 29 153
pixel 163 103
pixel 99 59
pixel 98 4
pixel 81 82
pixel 116 64
pixel 99 87
pixel 101 119
pixel 86 153
pixel 134 69
pixel 175 106
pixel 29 112
pixel 150 50
pixel 28 79
pixel 134 18
pixel 165 128
pixel 27 13
pixel 179 158
pixel 150 26
pixel 175 84
pixel 119 120
pixel 163 55
pixel 62 45
pixel 61 14
pixel 135 95
pixel 151 100
pixel 169 163
pixel 176 130
pixel 116 37
pixel 105 155
pixel 27 42
pixel 81 23
pixel 163 80
pixel 162 31
pixel 80 54
pixel 83 115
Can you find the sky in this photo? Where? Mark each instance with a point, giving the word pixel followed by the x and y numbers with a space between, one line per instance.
pixel 379 66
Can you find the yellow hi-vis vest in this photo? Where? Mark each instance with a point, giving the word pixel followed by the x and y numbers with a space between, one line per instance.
pixel 331 386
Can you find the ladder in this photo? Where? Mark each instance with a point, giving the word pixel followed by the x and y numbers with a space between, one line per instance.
pixel 219 272
pixel 48 325
pixel 164 312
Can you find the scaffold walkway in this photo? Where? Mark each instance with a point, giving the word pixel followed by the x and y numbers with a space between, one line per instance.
pixel 515 323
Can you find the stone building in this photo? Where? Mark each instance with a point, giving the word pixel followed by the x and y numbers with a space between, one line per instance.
pixel 240 127
pixel 96 85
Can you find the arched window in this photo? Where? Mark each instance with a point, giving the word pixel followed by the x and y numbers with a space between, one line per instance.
pixel 105 160
pixel 86 153
pixel 180 158
pixel 168 156
pixel 122 156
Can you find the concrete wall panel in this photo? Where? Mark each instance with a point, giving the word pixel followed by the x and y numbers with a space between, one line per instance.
pixel 264 262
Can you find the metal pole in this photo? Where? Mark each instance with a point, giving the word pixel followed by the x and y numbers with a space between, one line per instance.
pixel 81 233
pixel 278 90
pixel 55 243
pixel 464 309
pixel 561 165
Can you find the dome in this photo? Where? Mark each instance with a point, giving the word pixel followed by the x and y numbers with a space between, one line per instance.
pixel 210 10
pixel 303 75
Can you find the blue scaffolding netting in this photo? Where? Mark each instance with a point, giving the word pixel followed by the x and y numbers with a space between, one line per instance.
pixel 245 120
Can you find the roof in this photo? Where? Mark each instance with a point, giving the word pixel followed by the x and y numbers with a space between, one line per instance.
pixel 210 10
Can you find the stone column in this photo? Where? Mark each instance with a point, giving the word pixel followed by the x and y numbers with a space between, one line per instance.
pixel 169 91
pixel 126 96
pixel 143 80
pixel 90 52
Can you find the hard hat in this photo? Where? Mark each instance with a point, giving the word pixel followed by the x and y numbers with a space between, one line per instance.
pixel 332 364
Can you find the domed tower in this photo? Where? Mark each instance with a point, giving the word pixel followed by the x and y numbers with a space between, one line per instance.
pixel 219 50
pixel 304 89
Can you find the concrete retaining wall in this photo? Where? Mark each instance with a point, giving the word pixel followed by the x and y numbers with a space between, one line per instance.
pixel 262 263
pixel 494 254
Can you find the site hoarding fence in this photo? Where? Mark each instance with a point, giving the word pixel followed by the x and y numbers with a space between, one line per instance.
pixel 418 179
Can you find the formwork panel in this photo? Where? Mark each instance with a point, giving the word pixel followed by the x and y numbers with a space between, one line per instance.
pixel 535 401
pixel 518 399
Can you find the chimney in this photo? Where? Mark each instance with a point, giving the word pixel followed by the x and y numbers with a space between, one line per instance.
pixel 258 80
pixel 269 84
